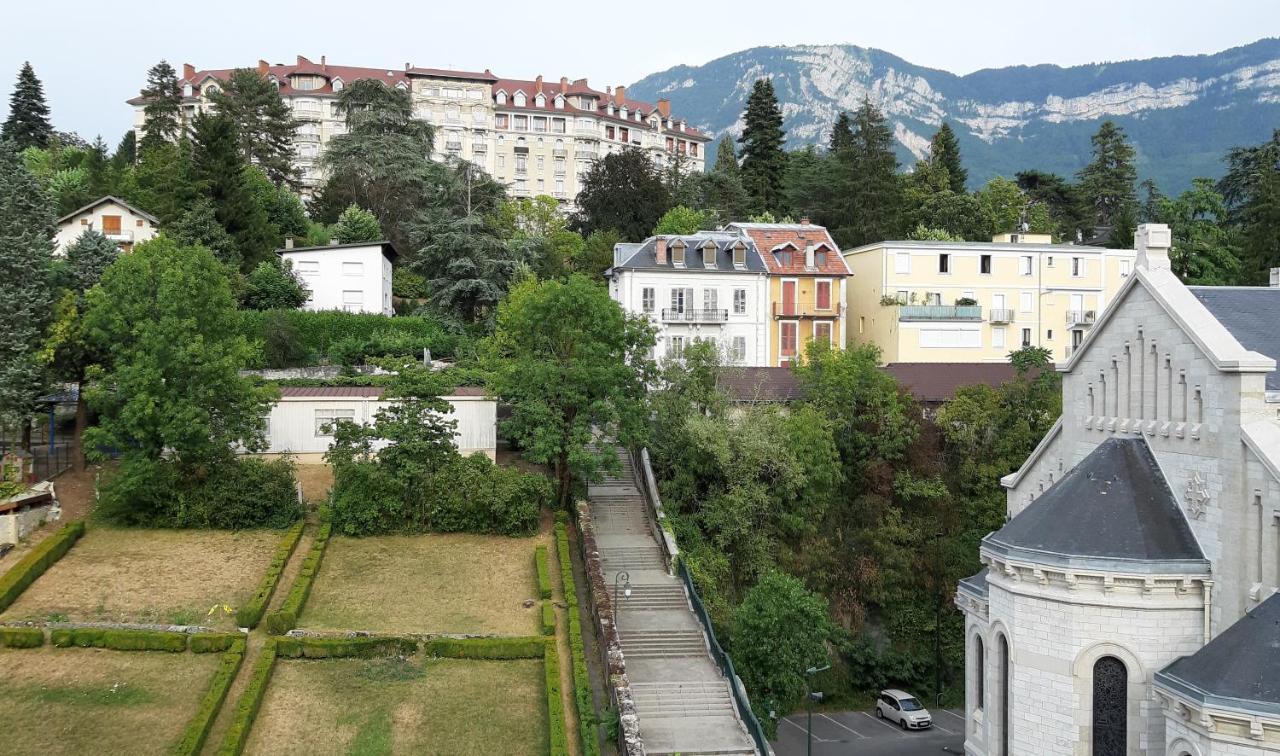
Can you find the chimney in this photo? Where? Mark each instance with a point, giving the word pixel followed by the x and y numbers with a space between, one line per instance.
pixel 804 221
pixel 808 256
pixel 1152 242
pixel 408 66
pixel 1275 278
pixel 660 250
pixel 564 84
pixel 322 60
pixel 263 67
pixel 664 107
pixel 620 94
pixel 537 84
pixel 682 126
pixel 188 71
pixel 288 242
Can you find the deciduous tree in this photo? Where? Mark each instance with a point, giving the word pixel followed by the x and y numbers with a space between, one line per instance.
pixel 622 192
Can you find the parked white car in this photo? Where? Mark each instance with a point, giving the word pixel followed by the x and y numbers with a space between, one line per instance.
pixel 903 708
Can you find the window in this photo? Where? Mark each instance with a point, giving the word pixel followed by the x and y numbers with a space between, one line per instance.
pixel 822 331
pixel 984 264
pixel 1049 261
pixel 500 120
pixel 979 674
pixel 944 263
pixel 739 255
pixel 739 350
pixel 518 100
pixel 522 164
pixel 1024 301
pixel 677 254
pixel 352 269
pixel 902 263
pixel 822 295
pixel 710 299
pixel 933 298
pixel 819 259
pixel 787 340
pixel 502 161
pixel 1110 707
pixel 1024 265
pixel 541 163
pixel 862 324
pixel 1004 696
pixel 307 267
pixel 1026 337
pixel 997 338
pixel 353 300
pixel 784 257
pixel 646 299
pixel 1077 266
pixel 1048 335
pixel 739 301
pixel 111 225
pixel 681 299
pixel 326 419
pixel 709 255
pixel 677 348
pixel 1126 267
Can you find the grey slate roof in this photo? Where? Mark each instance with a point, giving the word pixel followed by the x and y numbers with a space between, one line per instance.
pixel 643 255
pixel 975 585
pixel 118 201
pixel 1238 669
pixel 1114 510
pixel 1251 314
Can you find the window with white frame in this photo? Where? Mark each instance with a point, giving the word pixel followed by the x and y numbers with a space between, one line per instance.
pixel 1025 301
pixel 647 298
pixel 997 338
pixel 1026 337
pixel 1077 266
pixel 1126 267
pixel 822 295
pixel 902 262
pixel 352 300
pixel 353 269
pixel 739 351
pixel 1024 265
pixel 307 267
pixel 677 348
pixel 739 301
pixel 326 419
pixel 709 299
pixel 681 299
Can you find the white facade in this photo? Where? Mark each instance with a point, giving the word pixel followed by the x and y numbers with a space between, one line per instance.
pixel 296 425
pixel 1159 366
pixel 117 220
pixel 350 277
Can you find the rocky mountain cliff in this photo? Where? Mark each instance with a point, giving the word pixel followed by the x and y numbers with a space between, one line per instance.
pixel 1182 113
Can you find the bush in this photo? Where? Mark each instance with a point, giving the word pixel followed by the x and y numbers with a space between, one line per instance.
pixel 237 493
pixel 273 286
pixel 582 698
pixel 314 334
pixel 486 648
pixel 21 637
pixel 207 643
pixel 334 648
pixel 119 640
pixel 548 617
pixel 407 284
pixel 250 614
pixel 559 739
pixel 39 559
pixel 250 701
pixel 281 342
pixel 565 560
pixel 544 573
pixel 284 620
pixel 192 740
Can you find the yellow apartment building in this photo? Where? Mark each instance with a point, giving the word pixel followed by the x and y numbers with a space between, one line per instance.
pixel 925 301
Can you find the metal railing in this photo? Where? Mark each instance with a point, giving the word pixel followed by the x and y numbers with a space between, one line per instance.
pixel 805 310
pixel 940 312
pixel 671 315
pixel 1081 317
pixel 1000 316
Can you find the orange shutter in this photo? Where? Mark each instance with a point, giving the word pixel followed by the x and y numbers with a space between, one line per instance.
pixel 111 224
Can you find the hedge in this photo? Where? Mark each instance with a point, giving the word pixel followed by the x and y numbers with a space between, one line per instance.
pixel 251 613
pixel 544 574
pixel 334 648
pixel 486 648
pixel 548 617
pixel 286 618
pixel 343 336
pixel 566 565
pixel 198 728
pixel 583 700
pixel 119 640
pixel 250 701
pixel 21 637
pixel 205 643
pixel 39 559
pixel 559 739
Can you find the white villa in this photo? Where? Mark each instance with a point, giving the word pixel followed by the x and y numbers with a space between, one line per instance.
pixel 116 219
pixel 351 277
pixel 709 286
pixel 1129 604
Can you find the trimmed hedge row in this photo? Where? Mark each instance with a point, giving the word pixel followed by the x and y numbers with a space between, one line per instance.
pixel 21 637
pixel 559 739
pixel 206 643
pixel 486 648
pixel 544 574
pixel 582 697
pixel 335 648
pixel 548 617
pixel 197 731
pixel 250 701
pixel 119 640
pixel 286 618
pixel 251 613
pixel 300 337
pixel 39 559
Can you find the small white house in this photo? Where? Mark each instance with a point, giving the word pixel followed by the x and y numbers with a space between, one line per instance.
pixel 118 220
pixel 351 277
pixel 298 422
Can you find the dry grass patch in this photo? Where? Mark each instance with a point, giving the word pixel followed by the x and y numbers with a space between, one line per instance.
pixel 316 481
pixel 447 583
pixel 150 576
pixel 73 701
pixel 403 706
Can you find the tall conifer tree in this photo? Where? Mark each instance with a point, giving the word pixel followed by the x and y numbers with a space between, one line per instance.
pixel 841 133
pixel 265 125
pixel 219 171
pixel 1107 183
pixel 726 157
pixel 763 159
pixel 867 205
pixel 163 109
pixel 28 123
pixel 944 151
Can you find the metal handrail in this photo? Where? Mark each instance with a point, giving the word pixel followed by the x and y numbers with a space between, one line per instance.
pixel 673 315
pixel 940 312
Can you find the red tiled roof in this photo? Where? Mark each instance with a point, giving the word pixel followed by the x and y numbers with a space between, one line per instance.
pixel 760 384
pixel 933 382
pixel 553 87
pixel 445 73
pixel 772 236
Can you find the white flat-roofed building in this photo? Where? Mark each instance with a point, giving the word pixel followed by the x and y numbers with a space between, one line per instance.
pixel 350 277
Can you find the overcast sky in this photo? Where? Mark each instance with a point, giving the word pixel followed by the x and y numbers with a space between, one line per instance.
pixel 92 55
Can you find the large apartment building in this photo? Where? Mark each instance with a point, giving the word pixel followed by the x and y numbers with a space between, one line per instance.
pixel 536 136
pixel 924 301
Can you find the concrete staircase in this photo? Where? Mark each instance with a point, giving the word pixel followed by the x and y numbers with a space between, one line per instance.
pixel 682 700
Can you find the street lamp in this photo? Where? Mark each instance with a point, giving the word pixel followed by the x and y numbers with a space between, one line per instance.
pixel 810 697
pixel 626 593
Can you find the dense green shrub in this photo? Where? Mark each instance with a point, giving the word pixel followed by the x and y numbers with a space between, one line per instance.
pixel 212 643
pixel 582 697
pixel 282 342
pixel 486 648
pixel 250 701
pixel 286 618
pixel 407 284
pixel 273 285
pixel 559 738
pixel 39 559
pixel 548 617
pixel 544 572
pixel 236 493
pixel 565 560
pixel 21 637
pixel 250 614
pixel 119 640
pixel 376 335
pixel 193 738
pixel 333 648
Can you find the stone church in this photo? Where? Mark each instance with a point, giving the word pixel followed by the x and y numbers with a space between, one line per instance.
pixel 1129 605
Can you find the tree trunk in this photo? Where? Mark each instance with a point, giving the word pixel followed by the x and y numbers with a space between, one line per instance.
pixel 82 420
pixel 26 435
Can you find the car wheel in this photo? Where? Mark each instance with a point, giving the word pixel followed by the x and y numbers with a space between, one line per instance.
pixel 879 714
pixel 902 723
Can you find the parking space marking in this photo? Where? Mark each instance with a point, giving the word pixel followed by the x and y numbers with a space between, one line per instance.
pixel 801 729
pixel 843 727
pixel 937 726
pixel 881 721
pixel 952 713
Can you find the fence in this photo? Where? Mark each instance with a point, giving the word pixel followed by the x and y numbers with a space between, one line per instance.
pixel 50 445
pixel 726 665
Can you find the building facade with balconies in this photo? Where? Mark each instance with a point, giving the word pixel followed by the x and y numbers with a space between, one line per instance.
pixel 806 286
pixel 119 221
pixel 537 137
pixel 710 286
pixel 925 301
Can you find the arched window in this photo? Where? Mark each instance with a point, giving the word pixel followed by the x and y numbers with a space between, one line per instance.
pixel 1004 696
pixel 979 674
pixel 1110 707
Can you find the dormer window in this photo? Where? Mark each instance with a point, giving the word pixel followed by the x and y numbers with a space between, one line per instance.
pixel 401 85
pixel 622 111
pixel 677 253
pixel 540 100
pixel 186 90
pixel 609 109
pixel 501 97
pixel 337 85
pixel 740 256
pixel 709 254
pixel 519 99
pixel 559 102
pixel 784 257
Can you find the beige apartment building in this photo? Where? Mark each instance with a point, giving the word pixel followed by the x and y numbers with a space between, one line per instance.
pixel 924 301
pixel 535 136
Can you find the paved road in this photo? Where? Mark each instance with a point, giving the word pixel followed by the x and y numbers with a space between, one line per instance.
pixel 859 733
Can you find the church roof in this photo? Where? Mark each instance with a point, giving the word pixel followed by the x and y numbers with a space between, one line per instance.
pixel 1114 510
pixel 1238 669
pixel 1250 314
pixel 975 584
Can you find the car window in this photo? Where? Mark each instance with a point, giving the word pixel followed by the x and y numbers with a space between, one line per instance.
pixel 911 704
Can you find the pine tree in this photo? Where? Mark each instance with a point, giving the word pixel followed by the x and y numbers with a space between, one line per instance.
pixel 944 151
pixel 1107 182
pixel 357 225
pixel 26 256
pixel 726 157
pixel 841 133
pixel 98 169
pixel 265 124
pixel 28 123
pixel 88 257
pixel 126 153
pixel 163 109
pixel 164 186
pixel 220 171
pixel 763 159
pixel 867 205
pixel 198 225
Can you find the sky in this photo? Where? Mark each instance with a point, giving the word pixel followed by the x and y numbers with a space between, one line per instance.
pixel 92 56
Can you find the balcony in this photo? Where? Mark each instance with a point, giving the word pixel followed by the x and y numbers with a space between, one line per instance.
pixel 805 310
pixel 453 146
pixel 120 236
pixel 559 153
pixel 940 312
pixel 588 133
pixel 670 315
pixel 479 147
pixel 1081 317
pixel 584 154
pixel 1000 316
